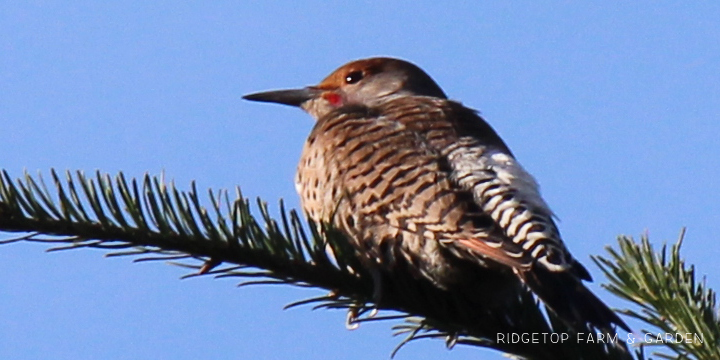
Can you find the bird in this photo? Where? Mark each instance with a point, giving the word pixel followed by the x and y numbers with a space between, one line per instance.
pixel 414 178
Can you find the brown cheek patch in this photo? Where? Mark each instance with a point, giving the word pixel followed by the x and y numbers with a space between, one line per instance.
pixel 333 98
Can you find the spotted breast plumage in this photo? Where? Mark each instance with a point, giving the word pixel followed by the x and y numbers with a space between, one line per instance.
pixel 414 178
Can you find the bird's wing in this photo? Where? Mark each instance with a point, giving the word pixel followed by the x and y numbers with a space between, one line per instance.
pixel 503 189
pixel 479 163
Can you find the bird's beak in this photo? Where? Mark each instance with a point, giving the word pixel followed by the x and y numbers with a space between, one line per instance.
pixel 294 97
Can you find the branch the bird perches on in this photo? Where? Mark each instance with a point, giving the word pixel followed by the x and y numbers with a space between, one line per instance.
pixel 154 221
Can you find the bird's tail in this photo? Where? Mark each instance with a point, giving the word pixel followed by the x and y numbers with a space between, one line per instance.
pixel 575 304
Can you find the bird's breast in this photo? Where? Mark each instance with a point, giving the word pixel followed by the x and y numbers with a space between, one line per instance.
pixel 380 180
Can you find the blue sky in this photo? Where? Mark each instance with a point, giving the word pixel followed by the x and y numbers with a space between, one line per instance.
pixel 614 109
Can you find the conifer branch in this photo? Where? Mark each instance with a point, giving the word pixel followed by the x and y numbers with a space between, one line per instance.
pixel 154 221
pixel 681 308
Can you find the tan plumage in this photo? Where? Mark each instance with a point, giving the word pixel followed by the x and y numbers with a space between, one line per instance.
pixel 422 184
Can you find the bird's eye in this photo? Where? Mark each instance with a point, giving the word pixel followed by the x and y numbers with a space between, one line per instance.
pixel 354 77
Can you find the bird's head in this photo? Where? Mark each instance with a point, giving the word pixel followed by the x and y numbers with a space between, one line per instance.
pixel 361 82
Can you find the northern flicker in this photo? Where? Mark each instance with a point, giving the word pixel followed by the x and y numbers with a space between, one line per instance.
pixel 410 176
